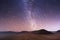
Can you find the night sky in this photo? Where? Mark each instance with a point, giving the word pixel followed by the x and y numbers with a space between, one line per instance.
pixel 28 15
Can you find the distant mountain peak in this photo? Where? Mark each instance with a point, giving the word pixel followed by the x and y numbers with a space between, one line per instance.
pixel 42 31
pixel 58 31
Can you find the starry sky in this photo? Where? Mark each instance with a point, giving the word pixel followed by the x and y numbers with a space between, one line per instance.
pixel 28 15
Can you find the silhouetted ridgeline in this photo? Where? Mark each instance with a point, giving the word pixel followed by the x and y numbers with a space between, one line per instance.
pixel 42 31
pixel 58 31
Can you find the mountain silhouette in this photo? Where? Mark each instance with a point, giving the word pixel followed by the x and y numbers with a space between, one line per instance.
pixel 58 31
pixel 42 31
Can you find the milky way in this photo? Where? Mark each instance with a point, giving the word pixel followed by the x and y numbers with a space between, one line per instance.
pixel 29 14
pixel 21 15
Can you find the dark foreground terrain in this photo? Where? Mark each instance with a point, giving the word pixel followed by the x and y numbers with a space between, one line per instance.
pixel 36 35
